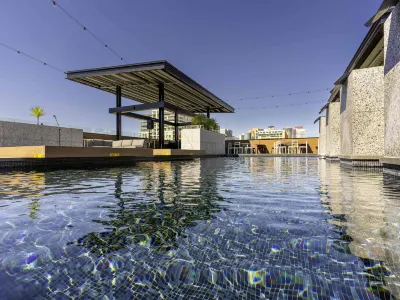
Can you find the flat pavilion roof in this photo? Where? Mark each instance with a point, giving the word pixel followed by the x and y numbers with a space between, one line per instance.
pixel 139 82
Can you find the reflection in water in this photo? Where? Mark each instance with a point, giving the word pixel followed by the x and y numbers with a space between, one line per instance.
pixel 227 228
pixel 15 185
pixel 365 209
pixel 160 223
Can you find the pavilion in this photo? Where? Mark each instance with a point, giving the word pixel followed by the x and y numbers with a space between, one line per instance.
pixel 156 85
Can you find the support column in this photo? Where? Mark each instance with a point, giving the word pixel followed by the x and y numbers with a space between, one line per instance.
pixel 322 137
pixel 176 127
pixel 208 112
pixel 161 116
pixel 333 131
pixel 118 94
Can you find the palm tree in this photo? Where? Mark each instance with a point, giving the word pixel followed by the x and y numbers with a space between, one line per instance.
pixel 37 112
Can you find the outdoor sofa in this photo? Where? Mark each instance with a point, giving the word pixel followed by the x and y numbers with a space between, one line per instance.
pixel 135 143
pixel 97 143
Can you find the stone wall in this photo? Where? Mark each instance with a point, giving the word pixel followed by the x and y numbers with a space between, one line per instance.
pixel 392 84
pixel 333 129
pixel 362 113
pixel 20 134
pixel 346 128
pixel 200 139
pixel 322 136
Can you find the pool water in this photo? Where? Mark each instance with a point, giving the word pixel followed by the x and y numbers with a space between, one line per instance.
pixel 220 228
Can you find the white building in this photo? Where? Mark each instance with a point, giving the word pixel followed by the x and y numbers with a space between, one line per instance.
pixel 169 131
pixel 300 132
pixel 226 132
pixel 271 133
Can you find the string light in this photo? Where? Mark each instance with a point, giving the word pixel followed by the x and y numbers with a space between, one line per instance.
pixel 55 4
pixel 31 57
pixel 240 108
pixel 283 95
pixel 278 106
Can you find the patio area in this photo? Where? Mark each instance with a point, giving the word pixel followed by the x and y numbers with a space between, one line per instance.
pixel 301 146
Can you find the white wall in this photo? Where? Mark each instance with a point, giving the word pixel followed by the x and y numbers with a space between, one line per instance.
pixel 200 139
pixel 20 134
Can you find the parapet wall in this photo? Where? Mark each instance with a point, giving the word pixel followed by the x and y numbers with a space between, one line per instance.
pixel 20 134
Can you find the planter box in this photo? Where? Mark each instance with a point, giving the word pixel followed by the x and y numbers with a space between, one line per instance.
pixel 200 139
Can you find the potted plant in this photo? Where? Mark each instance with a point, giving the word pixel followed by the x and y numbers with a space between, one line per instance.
pixel 206 123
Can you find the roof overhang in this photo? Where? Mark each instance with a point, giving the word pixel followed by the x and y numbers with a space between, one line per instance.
pixel 383 9
pixel 319 118
pixel 140 82
pixel 335 94
pixel 370 53
pixel 324 107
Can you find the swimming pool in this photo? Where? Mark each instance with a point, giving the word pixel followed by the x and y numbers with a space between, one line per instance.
pixel 217 228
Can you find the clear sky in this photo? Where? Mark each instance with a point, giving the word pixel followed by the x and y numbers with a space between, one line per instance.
pixel 233 48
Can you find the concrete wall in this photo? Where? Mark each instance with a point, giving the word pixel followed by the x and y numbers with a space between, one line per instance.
pixel 362 113
pixel 392 84
pixel 199 139
pixel 20 134
pixel 322 136
pixel 333 129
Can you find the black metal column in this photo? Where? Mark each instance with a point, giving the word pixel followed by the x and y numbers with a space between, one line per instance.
pixel 161 116
pixel 208 112
pixel 176 128
pixel 118 94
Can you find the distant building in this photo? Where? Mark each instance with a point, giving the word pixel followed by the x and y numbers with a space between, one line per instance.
pixel 226 132
pixel 271 133
pixel 300 132
pixel 254 133
pixel 169 131
pixel 289 132
pixel 247 136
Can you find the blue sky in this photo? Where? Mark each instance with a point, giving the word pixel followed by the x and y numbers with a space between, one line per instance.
pixel 234 48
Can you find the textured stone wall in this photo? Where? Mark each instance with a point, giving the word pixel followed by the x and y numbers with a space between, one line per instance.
pixel 322 136
pixel 392 84
pixel 346 128
pixel 20 134
pixel 333 129
pixel 362 113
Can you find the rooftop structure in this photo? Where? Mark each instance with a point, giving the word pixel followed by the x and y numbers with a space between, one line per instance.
pixel 156 85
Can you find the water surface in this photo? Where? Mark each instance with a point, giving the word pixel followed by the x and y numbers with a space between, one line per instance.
pixel 224 228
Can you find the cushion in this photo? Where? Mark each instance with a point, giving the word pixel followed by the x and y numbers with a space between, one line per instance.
pixel 138 143
pixel 117 144
pixel 97 143
pixel 126 143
